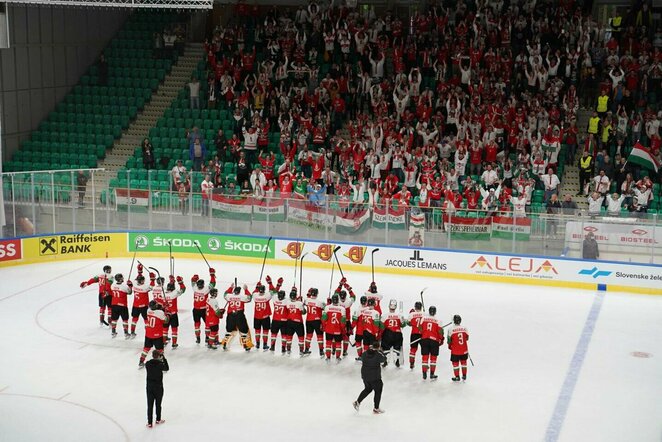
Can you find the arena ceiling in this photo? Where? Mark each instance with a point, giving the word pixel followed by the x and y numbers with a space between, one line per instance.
pixel 169 4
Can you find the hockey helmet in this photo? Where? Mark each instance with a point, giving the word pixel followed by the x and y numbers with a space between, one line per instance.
pixel 200 283
pixel 343 295
pixel 457 319
pixel 392 304
pixel 293 295
pixel 433 310
pixel 363 300
pixel 119 278
pixel 140 279
pixel 334 299
pixel 153 305
pixel 373 287
pixel 107 269
pixel 313 292
pixel 371 302
pixel 171 287
pixel 160 280
pixel 261 288
pixel 237 290
pixel 213 292
pixel 418 306
pixel 281 294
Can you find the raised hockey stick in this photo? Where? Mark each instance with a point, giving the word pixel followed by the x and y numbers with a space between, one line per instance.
pixel 132 261
pixel 422 302
pixel 172 271
pixel 336 256
pixel 155 270
pixel 301 274
pixel 202 254
pixel 333 267
pixel 372 262
pixel 264 259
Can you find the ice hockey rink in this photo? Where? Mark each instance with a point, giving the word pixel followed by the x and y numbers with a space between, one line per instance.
pixel 550 364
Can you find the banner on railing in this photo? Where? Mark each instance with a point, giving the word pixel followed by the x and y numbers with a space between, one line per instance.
pixel 271 209
pixel 504 226
pixel 395 218
pixel 621 234
pixel 353 222
pixel 468 228
pixel 309 214
pixel 137 200
pixel 224 207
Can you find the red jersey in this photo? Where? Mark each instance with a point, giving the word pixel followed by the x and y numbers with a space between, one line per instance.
pixel 334 319
pixel 262 305
pixel 141 295
pixel 393 321
pixel 158 295
pixel 280 310
pixel 371 320
pixel 377 297
pixel 314 309
pixel 120 292
pixel 415 321
pixel 432 329
pixel 236 302
pixel 154 324
pixel 295 311
pixel 458 337
pixel 104 280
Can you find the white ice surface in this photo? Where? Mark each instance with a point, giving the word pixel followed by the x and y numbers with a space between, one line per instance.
pixel 62 378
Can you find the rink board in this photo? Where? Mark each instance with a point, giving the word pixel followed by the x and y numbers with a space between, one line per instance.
pixel 408 261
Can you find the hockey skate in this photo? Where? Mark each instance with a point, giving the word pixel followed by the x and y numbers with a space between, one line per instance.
pixel 141 365
pixel 212 346
pixel 433 377
pixel 356 405
pixel 127 336
pixel 162 421
pixel 265 349
pixel 397 363
pixel 113 335
pixel 174 346
pixel 133 336
pixel 425 375
pixel 378 411
pixel 149 425
pixel 455 379
pixel 197 339
pixel 464 378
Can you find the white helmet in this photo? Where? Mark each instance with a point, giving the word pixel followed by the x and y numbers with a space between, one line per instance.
pixel 392 304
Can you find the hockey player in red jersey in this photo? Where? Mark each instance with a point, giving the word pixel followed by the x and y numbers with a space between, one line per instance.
pixel 458 336
pixel 200 293
pixel 373 294
pixel 415 319
pixel 432 338
pixel 314 308
pixel 262 312
pixel 213 316
pixel 372 324
pixel 392 337
pixel 346 302
pixel 171 294
pixel 158 292
pixel 105 295
pixel 156 318
pixel 120 304
pixel 279 322
pixel 236 316
pixel 140 300
pixel 334 326
pixel 295 312
pixel 357 323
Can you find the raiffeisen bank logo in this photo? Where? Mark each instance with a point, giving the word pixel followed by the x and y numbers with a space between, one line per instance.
pixel 594 272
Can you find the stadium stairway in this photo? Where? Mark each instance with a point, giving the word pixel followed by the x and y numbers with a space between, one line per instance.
pixel 124 147
pixel 570 179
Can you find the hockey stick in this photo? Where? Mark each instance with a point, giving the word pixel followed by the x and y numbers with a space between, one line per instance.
pixel 423 303
pixel 296 262
pixel 333 267
pixel 172 271
pixel 301 274
pixel 264 260
pixel 132 261
pixel 416 340
pixel 158 274
pixel 336 256
pixel 372 262
pixel 470 360
pixel 203 255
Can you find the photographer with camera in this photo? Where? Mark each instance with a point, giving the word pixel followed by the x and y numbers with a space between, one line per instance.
pixel 155 368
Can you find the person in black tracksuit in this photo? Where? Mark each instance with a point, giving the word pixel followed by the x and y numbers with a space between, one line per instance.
pixel 155 369
pixel 371 372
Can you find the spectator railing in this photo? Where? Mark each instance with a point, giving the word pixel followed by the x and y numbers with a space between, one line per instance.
pixel 50 202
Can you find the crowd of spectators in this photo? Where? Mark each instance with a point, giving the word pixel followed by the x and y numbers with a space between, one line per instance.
pixel 470 105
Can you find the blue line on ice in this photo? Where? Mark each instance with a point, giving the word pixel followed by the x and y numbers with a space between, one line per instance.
pixel 568 388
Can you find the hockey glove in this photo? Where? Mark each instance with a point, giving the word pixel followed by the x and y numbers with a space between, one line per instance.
pixel 280 281
pixel 129 283
pixel 212 271
pixel 180 279
pixel 152 276
pixel 140 268
pixel 83 284
pixel 194 279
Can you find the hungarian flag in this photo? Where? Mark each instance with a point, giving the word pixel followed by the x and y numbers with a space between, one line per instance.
pixel 231 208
pixel 417 219
pixel 273 207
pixel 504 226
pixel 132 199
pixel 642 156
pixel 468 228
pixel 395 218
pixel 353 222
